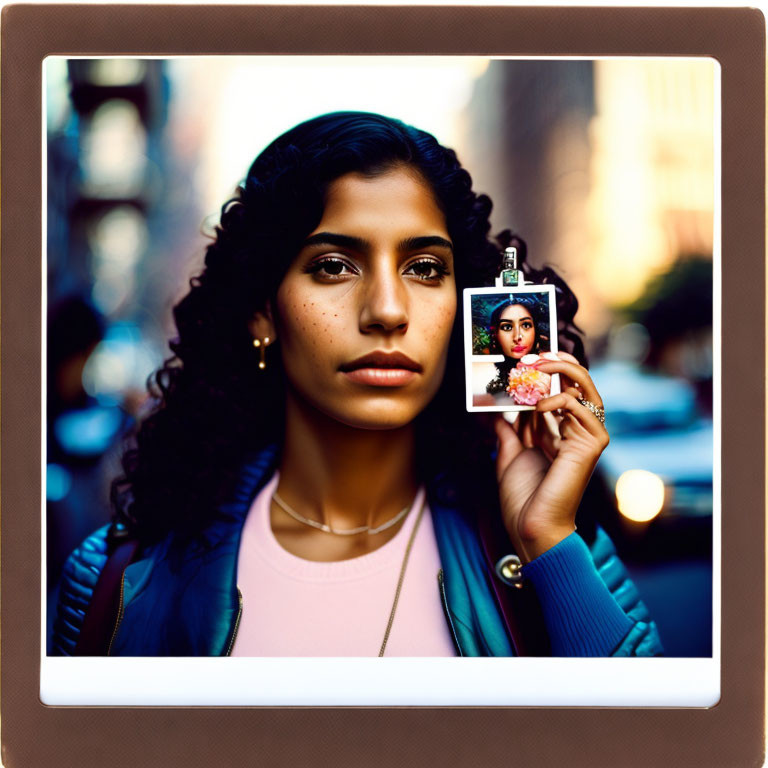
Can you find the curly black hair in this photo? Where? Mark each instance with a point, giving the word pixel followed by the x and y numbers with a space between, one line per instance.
pixel 213 405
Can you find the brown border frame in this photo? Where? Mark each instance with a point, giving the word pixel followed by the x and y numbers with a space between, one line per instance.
pixel 729 734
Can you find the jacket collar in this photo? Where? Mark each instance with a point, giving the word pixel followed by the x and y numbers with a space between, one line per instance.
pixel 192 587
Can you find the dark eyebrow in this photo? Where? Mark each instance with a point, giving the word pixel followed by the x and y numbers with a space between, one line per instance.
pixel 509 320
pixel 341 241
pixel 359 244
pixel 418 243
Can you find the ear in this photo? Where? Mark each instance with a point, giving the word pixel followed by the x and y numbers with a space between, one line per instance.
pixel 261 325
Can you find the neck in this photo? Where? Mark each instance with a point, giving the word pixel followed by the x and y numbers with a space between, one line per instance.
pixel 343 476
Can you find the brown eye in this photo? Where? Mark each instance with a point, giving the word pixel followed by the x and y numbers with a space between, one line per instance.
pixel 333 267
pixel 427 270
pixel 330 268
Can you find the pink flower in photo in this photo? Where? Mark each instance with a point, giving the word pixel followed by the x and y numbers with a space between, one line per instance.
pixel 527 385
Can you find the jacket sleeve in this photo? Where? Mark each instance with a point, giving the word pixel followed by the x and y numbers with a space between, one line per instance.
pixel 78 581
pixel 590 605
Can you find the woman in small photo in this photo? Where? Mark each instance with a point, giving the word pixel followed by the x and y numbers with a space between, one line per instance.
pixel 309 482
pixel 519 327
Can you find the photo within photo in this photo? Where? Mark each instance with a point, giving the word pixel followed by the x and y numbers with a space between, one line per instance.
pixel 510 336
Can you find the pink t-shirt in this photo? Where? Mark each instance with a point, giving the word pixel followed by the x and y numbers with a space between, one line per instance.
pixel 298 607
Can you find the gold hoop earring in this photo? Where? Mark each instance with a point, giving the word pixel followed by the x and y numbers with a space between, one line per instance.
pixel 261 345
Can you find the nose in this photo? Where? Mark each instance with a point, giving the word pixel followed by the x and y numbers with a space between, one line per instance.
pixel 517 332
pixel 385 302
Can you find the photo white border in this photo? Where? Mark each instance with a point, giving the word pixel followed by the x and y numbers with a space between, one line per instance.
pixel 331 682
pixel 514 681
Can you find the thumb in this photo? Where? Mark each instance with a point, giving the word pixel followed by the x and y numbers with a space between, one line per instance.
pixel 509 445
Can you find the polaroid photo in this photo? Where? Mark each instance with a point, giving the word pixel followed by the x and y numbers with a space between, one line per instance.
pixel 542 117
pixel 507 332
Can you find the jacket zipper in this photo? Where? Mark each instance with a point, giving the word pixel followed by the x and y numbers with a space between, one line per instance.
pixel 441 583
pixel 237 621
pixel 120 610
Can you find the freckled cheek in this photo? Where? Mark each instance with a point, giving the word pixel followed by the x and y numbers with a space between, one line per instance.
pixel 434 327
pixel 313 329
pixel 297 323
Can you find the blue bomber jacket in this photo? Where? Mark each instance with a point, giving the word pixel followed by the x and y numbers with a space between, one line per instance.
pixel 183 600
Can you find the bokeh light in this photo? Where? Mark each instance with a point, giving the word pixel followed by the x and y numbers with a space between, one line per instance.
pixel 640 495
pixel 117 241
pixel 114 150
pixel 121 362
pixel 107 72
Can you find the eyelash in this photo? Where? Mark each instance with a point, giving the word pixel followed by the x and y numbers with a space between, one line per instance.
pixel 316 268
pixel 526 326
pixel 440 270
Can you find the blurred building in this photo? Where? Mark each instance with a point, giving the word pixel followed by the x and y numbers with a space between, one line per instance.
pixel 653 193
pixel 605 167
pixel 106 230
pixel 527 145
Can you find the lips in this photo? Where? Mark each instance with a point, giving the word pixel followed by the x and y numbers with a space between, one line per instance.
pixel 519 349
pixel 384 360
pixel 382 369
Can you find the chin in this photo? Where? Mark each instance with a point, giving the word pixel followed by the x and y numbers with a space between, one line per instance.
pixel 375 409
pixel 376 418
pixel 376 412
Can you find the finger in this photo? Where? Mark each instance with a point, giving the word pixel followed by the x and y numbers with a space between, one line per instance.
pixel 575 374
pixel 572 406
pixel 569 426
pixel 509 444
pixel 548 433
pixel 567 381
pixel 567 357
pixel 560 356
pixel 526 432
pixel 574 432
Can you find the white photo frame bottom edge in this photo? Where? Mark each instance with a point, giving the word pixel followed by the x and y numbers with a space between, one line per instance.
pixel 289 681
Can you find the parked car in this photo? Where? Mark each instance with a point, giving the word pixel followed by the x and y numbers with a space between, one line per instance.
pixel 655 426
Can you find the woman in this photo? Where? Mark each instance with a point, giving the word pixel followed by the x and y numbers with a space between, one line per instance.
pixel 310 483
pixel 517 328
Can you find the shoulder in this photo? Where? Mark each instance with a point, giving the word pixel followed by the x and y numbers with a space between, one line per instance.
pixel 78 581
pixel 79 584
pixel 170 561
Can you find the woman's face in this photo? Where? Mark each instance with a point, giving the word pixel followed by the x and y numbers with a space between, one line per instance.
pixel 365 312
pixel 517 333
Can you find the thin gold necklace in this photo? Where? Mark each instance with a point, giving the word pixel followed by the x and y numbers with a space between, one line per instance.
pixel 347 532
pixel 388 524
pixel 400 579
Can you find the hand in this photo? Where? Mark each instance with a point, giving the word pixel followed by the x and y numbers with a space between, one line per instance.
pixel 546 459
